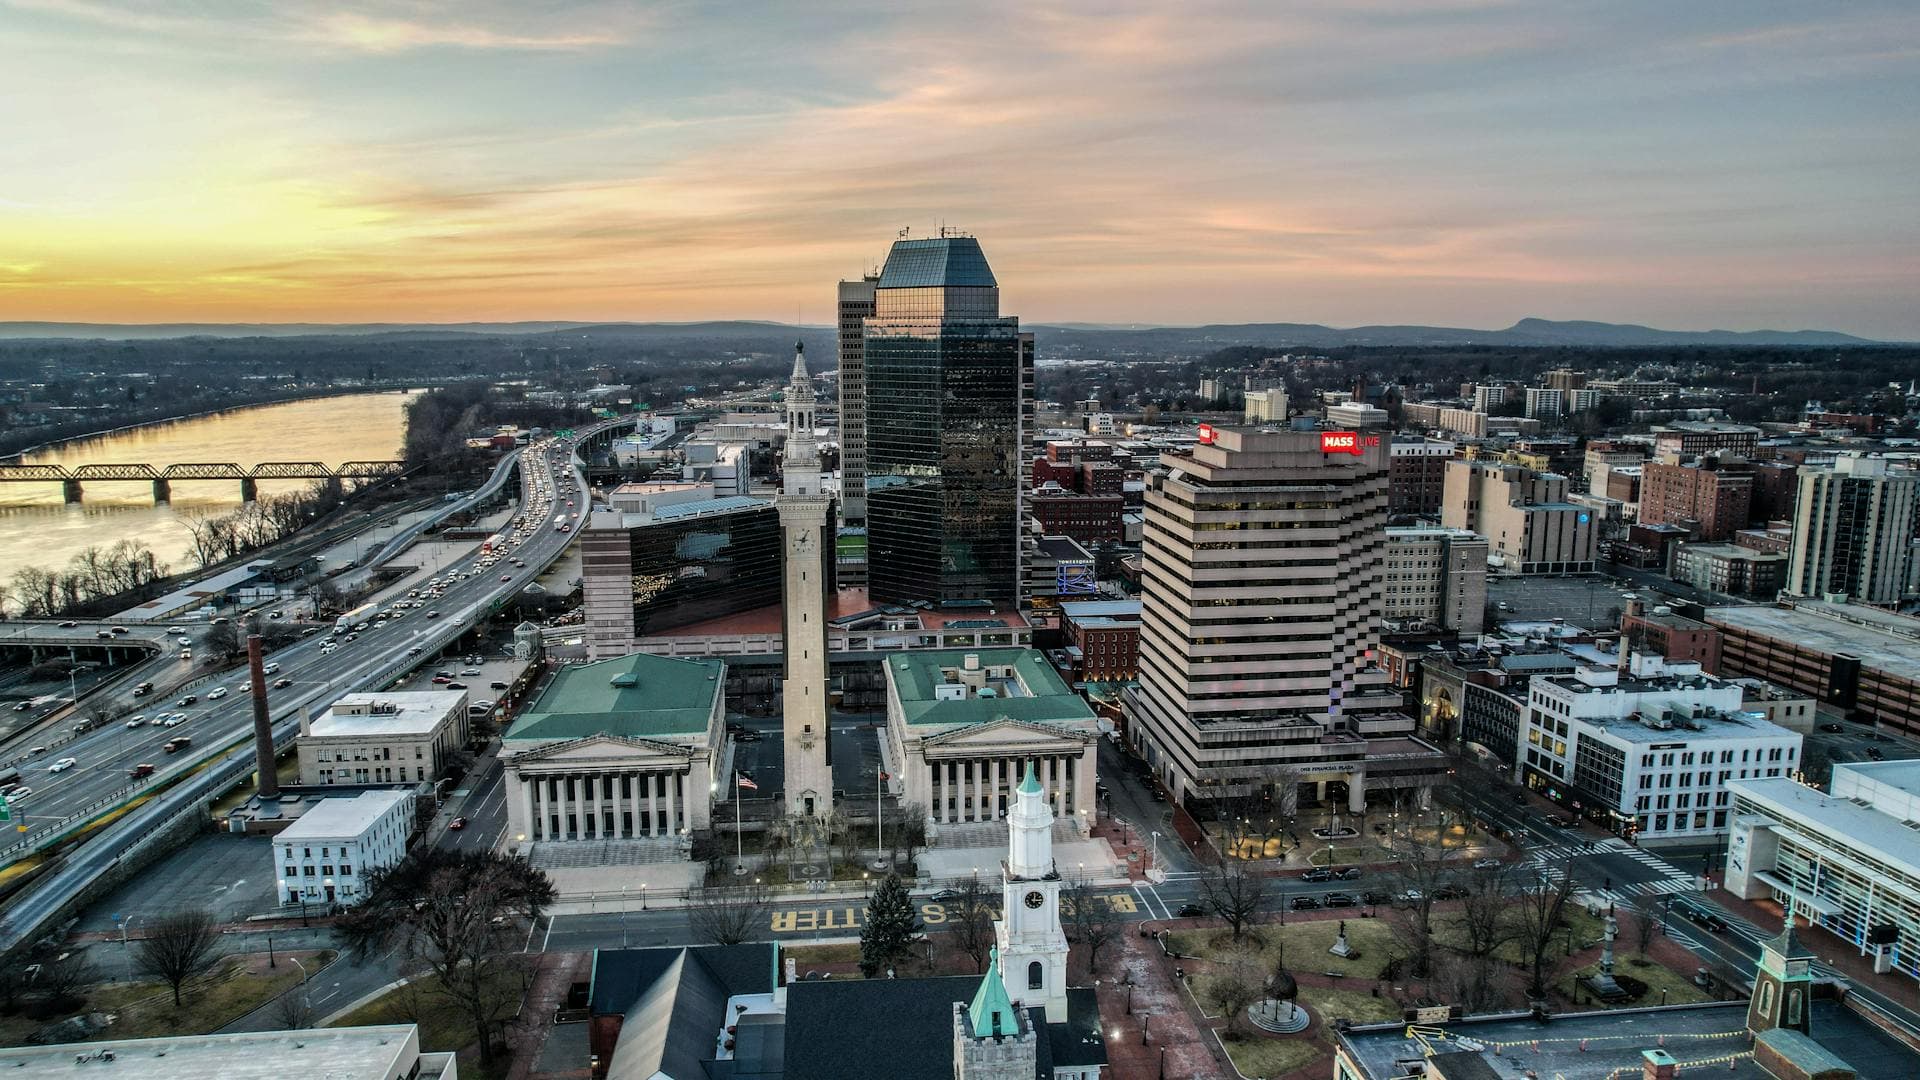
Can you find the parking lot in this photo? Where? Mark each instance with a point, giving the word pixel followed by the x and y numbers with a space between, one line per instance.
pixel 1590 601
pixel 230 876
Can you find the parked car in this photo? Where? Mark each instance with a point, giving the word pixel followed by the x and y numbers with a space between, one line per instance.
pixel 1305 903
pixel 1449 892
pixel 1318 873
pixel 1376 896
pixel 943 896
pixel 456 686
pixel 1350 873
pixel 497 685
pixel 1410 896
pixel 1191 911
pixel 1341 899
pixel 1486 864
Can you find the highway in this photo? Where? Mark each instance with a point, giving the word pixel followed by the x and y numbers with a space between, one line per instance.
pixel 318 669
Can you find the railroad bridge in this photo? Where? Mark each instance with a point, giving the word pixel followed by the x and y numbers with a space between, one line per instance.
pixel 72 481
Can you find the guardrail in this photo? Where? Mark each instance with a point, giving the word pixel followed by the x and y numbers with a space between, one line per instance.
pixel 479 495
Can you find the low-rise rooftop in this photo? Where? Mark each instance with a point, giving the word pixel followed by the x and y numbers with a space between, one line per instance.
pixel 639 695
pixel 396 712
pixel 937 686
pixel 348 1053
pixel 343 816
pixel 1881 639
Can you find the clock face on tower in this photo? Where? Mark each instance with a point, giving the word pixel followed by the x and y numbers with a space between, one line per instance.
pixel 802 543
pixel 1034 899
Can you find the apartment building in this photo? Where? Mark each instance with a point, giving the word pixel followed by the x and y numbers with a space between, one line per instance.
pixel 1529 525
pixel 1436 577
pixel 326 855
pixel 1853 531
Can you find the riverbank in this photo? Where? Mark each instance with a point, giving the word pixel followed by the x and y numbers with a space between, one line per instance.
pixel 14 456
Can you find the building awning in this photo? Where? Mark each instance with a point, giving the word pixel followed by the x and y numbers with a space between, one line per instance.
pixel 1801 897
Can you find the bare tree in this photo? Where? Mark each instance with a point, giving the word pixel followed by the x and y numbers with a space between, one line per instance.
pixel 1090 921
pixel 1483 920
pixel 1420 870
pixel 970 921
pixel 178 947
pixel 462 916
pixel 729 915
pixel 1539 906
pixel 64 979
pixel 291 1010
pixel 1644 919
pixel 1234 986
pixel 1234 894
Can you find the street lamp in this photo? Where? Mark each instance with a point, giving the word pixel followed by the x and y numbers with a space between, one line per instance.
pixel 1156 849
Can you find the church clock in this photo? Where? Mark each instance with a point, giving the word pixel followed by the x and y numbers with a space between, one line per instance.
pixel 1034 900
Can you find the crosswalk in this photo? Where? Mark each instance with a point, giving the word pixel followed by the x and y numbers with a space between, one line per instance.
pixel 1551 861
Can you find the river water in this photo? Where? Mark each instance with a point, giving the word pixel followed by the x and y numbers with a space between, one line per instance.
pixel 37 527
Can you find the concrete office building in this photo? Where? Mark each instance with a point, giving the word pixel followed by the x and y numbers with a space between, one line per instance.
pixel 1648 748
pixel 392 737
pixel 384 1052
pixel 1417 474
pixel 1262 577
pixel 855 306
pixel 1687 438
pixel 1266 406
pixel 1853 530
pixel 1730 570
pixel 326 855
pixel 1844 859
pixel 1349 415
pixel 1436 577
pixel 945 456
pixel 1529 525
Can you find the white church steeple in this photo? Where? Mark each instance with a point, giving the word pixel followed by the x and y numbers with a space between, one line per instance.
pixel 1033 947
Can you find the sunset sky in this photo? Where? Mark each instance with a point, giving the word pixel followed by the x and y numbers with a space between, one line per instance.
pixel 1687 164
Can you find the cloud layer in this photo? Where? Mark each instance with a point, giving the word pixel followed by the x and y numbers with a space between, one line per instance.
pixel 1466 162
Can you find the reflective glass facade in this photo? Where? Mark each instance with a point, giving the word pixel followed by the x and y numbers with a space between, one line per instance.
pixel 947 385
pixel 703 567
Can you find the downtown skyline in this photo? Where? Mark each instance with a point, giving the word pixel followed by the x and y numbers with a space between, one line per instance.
pixel 1459 164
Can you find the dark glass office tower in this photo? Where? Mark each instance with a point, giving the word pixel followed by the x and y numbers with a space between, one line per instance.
pixel 947 385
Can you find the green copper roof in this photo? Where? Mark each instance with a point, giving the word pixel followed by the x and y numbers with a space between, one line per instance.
pixel 916 672
pixel 1031 785
pixel 639 696
pixel 992 1011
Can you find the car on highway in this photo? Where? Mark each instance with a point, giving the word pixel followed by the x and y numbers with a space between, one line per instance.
pixel 140 771
pixel 176 629
pixel 137 721
pixel 19 793
pixel 506 577
pixel 23 706
pixel 63 764
pixel 36 751
pixel 143 689
pixel 190 699
pixel 282 684
pixel 172 720
pixel 457 824
pixel 68 625
pixel 184 640
pixel 216 693
pixel 272 668
pixel 178 742
pixel 431 614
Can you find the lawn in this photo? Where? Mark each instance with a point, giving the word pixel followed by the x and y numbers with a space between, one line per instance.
pixel 236 986
pixel 1306 944
pixel 1271 1055
pixel 1658 978
pixel 817 956
pixel 1328 1005
pixel 443 1027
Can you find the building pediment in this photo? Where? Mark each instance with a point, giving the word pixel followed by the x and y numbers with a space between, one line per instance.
pixel 1005 734
pixel 601 749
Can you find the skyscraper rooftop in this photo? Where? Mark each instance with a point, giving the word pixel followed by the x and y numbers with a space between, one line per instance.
pixel 936 262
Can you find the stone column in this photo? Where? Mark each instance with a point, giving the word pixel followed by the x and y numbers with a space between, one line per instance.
pixel 1084 771
pixel 1357 791
pixel 619 782
pixel 672 781
pixel 528 823
pixel 1050 778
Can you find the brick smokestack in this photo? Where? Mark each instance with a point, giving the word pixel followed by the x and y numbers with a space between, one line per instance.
pixel 263 756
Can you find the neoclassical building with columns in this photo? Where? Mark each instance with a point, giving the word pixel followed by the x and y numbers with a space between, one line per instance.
pixel 620 749
pixel 961 726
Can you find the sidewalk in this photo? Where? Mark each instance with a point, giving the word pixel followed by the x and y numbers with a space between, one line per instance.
pixel 1175 1030
pixel 1841 955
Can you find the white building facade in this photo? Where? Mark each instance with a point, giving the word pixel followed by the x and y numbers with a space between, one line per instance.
pixel 1648 750
pixel 384 738
pixel 325 856
pixel 1846 860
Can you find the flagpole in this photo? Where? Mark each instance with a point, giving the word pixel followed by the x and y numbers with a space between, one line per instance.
pixel 879 819
pixel 739 851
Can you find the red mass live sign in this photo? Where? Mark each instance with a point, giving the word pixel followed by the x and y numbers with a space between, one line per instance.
pixel 1206 433
pixel 1346 442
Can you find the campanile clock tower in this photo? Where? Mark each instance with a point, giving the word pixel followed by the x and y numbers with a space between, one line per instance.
pixel 805 513
pixel 1033 947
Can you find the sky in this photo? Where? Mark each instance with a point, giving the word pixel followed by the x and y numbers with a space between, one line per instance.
pixel 1690 165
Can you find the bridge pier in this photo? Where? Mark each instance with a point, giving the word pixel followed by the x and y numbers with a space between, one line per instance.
pixel 162 490
pixel 70 489
pixel 249 489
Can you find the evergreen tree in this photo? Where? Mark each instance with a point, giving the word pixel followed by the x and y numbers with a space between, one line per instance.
pixel 887 937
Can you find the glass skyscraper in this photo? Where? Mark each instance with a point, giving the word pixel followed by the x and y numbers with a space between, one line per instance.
pixel 948 382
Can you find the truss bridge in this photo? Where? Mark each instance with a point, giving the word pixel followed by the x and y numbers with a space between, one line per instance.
pixel 73 481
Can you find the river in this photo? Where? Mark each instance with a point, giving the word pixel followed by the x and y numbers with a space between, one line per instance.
pixel 37 527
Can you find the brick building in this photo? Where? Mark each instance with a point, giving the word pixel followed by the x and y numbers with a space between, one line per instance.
pixel 1713 496
pixel 1103 639
pixel 1674 637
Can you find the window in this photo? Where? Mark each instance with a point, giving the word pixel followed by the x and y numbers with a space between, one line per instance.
pixel 1036 976
pixel 346 869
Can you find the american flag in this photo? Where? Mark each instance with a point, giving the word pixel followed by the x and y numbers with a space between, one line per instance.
pixel 745 781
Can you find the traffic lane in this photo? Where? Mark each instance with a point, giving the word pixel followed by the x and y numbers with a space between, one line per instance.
pixel 1130 798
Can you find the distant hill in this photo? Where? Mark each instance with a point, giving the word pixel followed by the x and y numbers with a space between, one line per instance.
pixel 1056 338
pixel 1534 332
